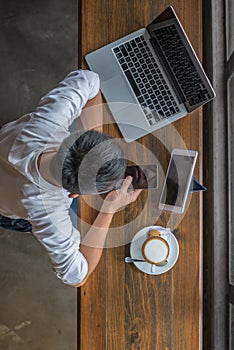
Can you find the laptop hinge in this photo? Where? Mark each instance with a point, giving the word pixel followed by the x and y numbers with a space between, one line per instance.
pixel 168 70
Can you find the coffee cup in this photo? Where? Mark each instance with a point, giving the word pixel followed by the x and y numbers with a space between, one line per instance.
pixel 155 249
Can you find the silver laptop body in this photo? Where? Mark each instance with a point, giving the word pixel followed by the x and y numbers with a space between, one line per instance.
pixel 152 77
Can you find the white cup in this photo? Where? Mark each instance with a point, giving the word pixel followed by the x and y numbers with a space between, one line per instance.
pixel 155 249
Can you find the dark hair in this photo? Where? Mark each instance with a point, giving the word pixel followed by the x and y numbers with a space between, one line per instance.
pixel 88 162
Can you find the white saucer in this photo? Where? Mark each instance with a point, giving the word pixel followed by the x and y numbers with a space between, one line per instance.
pixel 135 250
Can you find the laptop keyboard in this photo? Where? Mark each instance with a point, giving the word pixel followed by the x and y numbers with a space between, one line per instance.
pixel 146 80
pixel 184 70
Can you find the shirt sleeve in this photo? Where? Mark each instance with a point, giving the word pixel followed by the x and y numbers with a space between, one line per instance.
pixel 54 230
pixel 65 102
pixel 62 246
pixel 76 272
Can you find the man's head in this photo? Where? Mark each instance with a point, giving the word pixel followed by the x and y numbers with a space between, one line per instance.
pixel 88 162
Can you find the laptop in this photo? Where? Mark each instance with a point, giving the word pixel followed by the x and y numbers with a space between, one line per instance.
pixel 152 77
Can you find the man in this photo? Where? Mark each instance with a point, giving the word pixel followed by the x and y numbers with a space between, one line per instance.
pixel 43 167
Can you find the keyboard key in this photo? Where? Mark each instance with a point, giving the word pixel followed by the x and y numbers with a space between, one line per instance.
pixel 124 52
pixel 128 47
pixel 124 66
pixel 132 83
pixel 172 110
pixel 160 112
pixel 156 116
pixel 140 99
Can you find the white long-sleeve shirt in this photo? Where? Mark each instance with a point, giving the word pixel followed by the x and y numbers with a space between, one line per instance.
pixel 24 193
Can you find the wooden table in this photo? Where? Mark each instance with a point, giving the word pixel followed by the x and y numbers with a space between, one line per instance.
pixel 121 307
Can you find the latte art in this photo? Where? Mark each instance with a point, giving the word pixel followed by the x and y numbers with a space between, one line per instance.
pixel 155 250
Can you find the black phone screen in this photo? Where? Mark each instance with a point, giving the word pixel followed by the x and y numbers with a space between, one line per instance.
pixel 179 173
pixel 144 176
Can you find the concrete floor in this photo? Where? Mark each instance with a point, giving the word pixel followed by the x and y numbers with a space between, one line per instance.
pixel 36 310
pixel 38 47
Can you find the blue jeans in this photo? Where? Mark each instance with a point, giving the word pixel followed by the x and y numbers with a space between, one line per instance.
pixel 19 225
pixel 22 225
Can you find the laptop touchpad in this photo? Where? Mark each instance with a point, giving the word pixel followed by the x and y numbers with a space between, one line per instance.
pixel 117 89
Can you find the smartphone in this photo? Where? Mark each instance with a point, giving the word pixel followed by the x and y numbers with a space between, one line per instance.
pixel 178 179
pixel 144 176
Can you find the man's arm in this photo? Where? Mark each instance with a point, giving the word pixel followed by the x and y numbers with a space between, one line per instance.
pixel 65 102
pixel 93 242
pixel 92 114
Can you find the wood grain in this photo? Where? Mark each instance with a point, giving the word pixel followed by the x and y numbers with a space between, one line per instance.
pixel 121 307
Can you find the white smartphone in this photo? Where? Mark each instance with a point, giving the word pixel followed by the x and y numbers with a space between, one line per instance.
pixel 178 179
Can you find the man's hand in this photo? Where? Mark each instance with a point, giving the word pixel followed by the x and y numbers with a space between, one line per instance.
pixel 118 199
pixel 93 243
